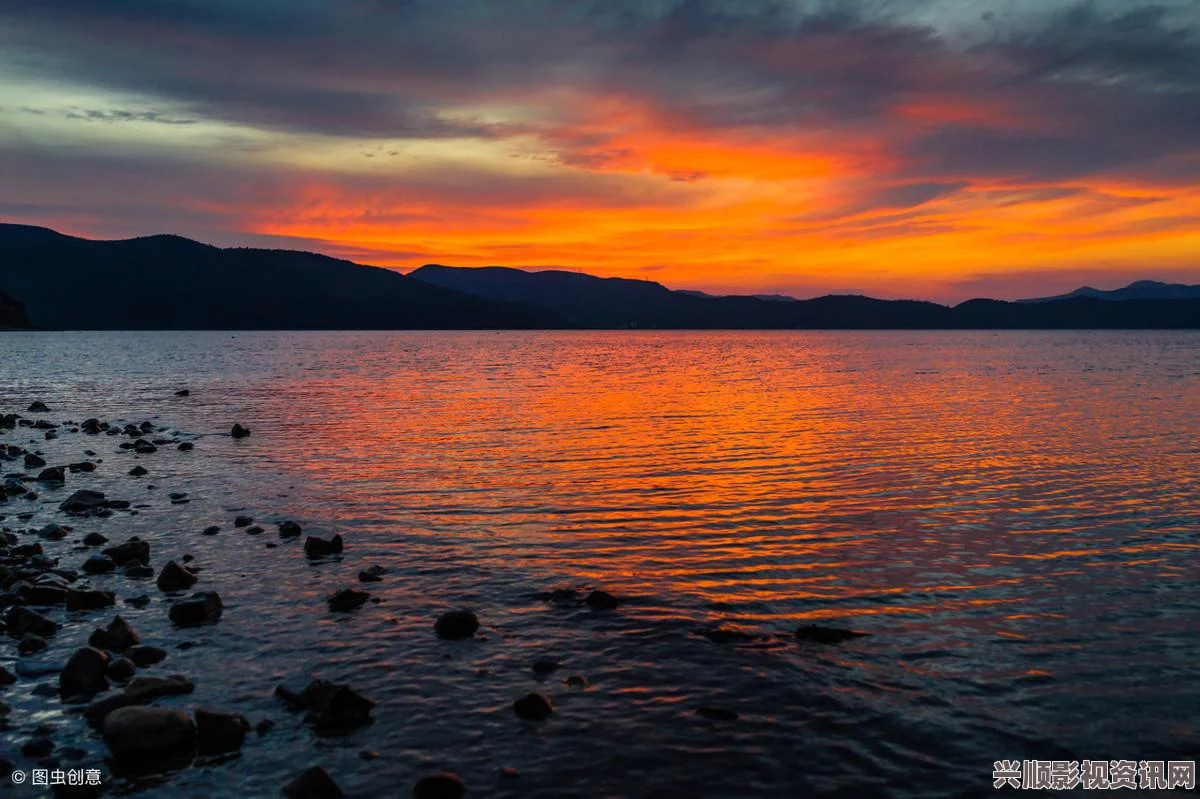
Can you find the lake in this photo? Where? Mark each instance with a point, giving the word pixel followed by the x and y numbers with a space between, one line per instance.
pixel 1013 517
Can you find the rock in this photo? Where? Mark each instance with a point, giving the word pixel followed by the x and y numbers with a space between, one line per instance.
pixel 53 532
pixel 174 577
pixel 31 644
pixel 84 673
pixel 117 637
pixel 143 733
pixel 183 392
pixel 21 620
pixel 218 732
pixel 36 748
pixel 144 447
pixel 368 754
pixel 315 783
pixel 445 785
pixel 717 713
pixel 533 707
pixel 546 666
pixel 211 530
pixel 177 494
pixel 144 655
pixel 139 690
pixel 456 625
pixel 263 727
pixel 255 530
pixel 576 681
pixel 33 461
pixel 320 548
pixel 37 407
pixel 82 502
pixel 186 446
pixel 92 426
pixel 289 530
pixel 55 474
pixel 601 600
pixel 133 549
pixel 88 600
pixel 727 635
pixel 138 570
pixel 140 601
pixel 120 670
pixel 336 708
pixel 94 540
pixel 239 432
pixel 347 599
pixel 138 471
pixel 6 677
pixel 370 575
pixel 42 595
pixel 99 564
pixel 204 608
pixel 825 635
pixel 81 466
pixel 243 521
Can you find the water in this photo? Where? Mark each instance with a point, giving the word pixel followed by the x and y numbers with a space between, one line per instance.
pixel 1014 517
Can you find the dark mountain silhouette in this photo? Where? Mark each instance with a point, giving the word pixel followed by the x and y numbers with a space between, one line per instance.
pixel 1138 290
pixel 169 282
pixel 12 314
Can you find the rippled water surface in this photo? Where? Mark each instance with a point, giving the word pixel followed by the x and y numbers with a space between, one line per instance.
pixel 1013 517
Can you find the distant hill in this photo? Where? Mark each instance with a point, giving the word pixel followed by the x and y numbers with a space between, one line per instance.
pixel 1138 290
pixel 173 283
pixel 12 314
pixel 168 282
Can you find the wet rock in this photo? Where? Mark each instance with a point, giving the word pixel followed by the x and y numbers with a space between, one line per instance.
pixel 183 392
pixel 144 655
pixel 204 608
pixel 218 732
pixel 559 596
pixel 26 551
pixel 727 635
pixel 576 681
pixel 36 748
pixel 139 690
pixel 456 625
pixel 717 713
pixel 140 601
pixel 119 504
pixel 320 548
pixel 81 466
pixel 86 599
pixel 53 532
pixel 533 707
pixel 31 644
pixel 133 549
pixel 546 666
pixel 174 577
pixel 239 432
pixel 117 637
pixel 92 426
pixel 144 734
pixel 137 570
pixel 6 677
pixel 120 670
pixel 825 635
pixel 334 707
pixel 21 620
pixel 138 471
pixel 94 540
pixel 33 461
pixel 601 600
pixel 37 407
pixel 83 502
pixel 263 727
pixel 211 530
pixel 347 599
pixel 144 447
pixel 372 574
pixel 243 521
pixel 186 446
pixel 55 474
pixel 99 564
pixel 315 783
pixel 289 530
pixel 255 530
pixel 42 595
pixel 445 785
pixel 84 673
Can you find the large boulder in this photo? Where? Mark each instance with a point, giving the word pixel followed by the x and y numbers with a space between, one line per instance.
pixel 84 673
pixel 144 734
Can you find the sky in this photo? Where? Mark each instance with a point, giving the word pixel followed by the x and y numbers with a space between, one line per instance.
pixel 941 149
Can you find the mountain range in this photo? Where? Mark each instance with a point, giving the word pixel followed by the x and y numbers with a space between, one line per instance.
pixel 168 282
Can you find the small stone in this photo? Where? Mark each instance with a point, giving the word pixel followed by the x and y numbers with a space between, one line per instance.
pixel 31 644
pixel 81 466
pixel 218 732
pixel 211 530
pixel 138 471
pixel 533 707
pixel 21 620
pixel 133 549
pixel 144 655
pixel 78 600
pixel 546 666
pixel 445 785
pixel 141 734
pixel 139 601
pixel 53 532
pixel 368 754
pixel 717 713
pixel 334 707
pixel 144 447
pixel 456 625
pixel 239 432
pixel 825 635
pixel 576 681
pixel 320 548
pixel 6 677
pixel 255 530
pixel 117 637
pixel 137 570
pixel 289 530
pixel 243 521
pixel 120 670
pixel 347 599
pixel 55 474
pixel 36 748
pixel 83 502
pixel 84 673
pixel 315 783
pixel 37 406
pixel 183 392
pixel 601 600
pixel 204 608
pixel 94 540
pixel 99 564
pixel 33 461
pixel 263 727
pixel 186 446
pixel 369 576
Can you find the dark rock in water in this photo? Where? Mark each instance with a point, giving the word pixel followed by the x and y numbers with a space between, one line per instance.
pixel 140 601
pixel 336 708
pixel 174 577
pixel 717 713
pixel 186 446
pixel 144 734
pixel 133 549
pixel 243 521
pixel 255 530
pixel 117 503
pixel 201 609
pixel 92 426
pixel 21 620
pixel 31 644
pixel 81 466
pixel 143 655
pixel 727 635
pixel 218 732
pixel 137 570
pixel 37 407
pixel 82 502
pixel 55 474
pixel 26 550
pixel 211 530
pixel 42 595
pixel 559 596
pixel 6 677
pixel 177 494
pixel 263 727
pixel 289 530
pixel 546 666
pixel 53 532
pixel 315 783
pixel 117 637
pixel 576 681
pixel 371 575
pixel 99 564
pixel 239 432
pixel 94 540
pixel 138 471
pixel 183 392
pixel 84 673
pixel 533 707
pixel 34 461
pixel 144 447
pixel 825 635
pixel 120 670
pixel 601 600
pixel 347 599
pixel 445 785
pixel 36 748
pixel 88 600
pixel 139 690
pixel 456 625
pixel 320 548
